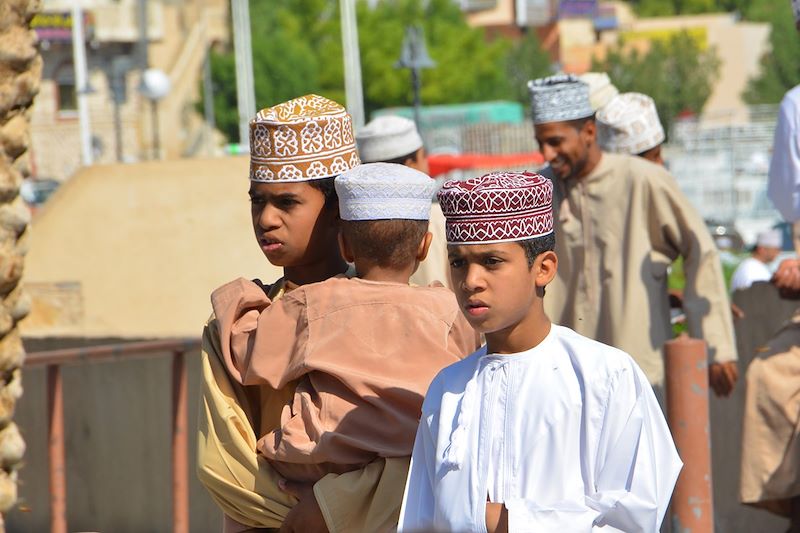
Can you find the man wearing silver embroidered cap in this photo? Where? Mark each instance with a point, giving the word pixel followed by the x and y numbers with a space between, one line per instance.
pixel 629 124
pixel 393 139
pixel 621 221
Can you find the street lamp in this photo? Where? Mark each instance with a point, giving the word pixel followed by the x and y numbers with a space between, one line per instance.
pixel 414 56
pixel 155 86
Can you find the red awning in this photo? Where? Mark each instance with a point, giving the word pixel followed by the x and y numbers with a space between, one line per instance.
pixel 444 163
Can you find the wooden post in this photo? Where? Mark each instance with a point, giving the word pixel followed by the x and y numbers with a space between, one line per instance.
pixel 686 371
pixel 55 447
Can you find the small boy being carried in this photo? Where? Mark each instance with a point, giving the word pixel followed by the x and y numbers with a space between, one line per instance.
pixel 363 349
pixel 543 429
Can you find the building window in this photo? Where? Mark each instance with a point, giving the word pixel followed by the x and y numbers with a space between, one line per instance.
pixel 66 95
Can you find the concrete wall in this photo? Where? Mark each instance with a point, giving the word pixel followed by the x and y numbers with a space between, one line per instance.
pixel 118 447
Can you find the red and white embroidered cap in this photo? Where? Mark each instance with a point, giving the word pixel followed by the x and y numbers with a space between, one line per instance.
pixel 497 207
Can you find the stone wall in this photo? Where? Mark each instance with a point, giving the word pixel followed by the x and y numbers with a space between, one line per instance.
pixel 20 73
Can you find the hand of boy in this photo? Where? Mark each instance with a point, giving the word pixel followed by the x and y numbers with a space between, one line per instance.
pixel 306 515
pixel 496 518
pixel 722 377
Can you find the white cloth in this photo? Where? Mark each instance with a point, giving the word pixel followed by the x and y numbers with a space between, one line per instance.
pixel 748 272
pixel 784 169
pixel 383 191
pixel 568 435
pixel 601 90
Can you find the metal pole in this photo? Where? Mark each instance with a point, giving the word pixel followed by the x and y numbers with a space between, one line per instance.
pixel 81 83
pixel 417 85
pixel 180 464
pixel 686 371
pixel 245 90
pixel 55 446
pixel 156 138
pixel 118 129
pixel 352 62
pixel 208 103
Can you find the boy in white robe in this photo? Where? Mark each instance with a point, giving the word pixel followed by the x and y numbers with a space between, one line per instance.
pixel 542 429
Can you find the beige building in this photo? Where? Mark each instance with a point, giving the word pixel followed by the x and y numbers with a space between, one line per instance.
pixel 179 34
pixel 739 45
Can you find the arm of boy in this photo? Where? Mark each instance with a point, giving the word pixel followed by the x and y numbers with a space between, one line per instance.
pixel 496 518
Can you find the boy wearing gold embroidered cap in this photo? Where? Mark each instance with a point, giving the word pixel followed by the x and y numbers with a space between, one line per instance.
pixel 297 149
pixel 364 349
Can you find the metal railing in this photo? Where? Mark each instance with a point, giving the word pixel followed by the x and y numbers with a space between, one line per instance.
pixel 54 359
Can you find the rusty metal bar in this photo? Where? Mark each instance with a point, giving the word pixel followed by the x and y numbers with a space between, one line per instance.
pixel 55 436
pixel 110 352
pixel 686 371
pixel 180 462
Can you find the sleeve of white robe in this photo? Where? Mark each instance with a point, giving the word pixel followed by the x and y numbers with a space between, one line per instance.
pixel 784 169
pixel 636 469
pixel 417 509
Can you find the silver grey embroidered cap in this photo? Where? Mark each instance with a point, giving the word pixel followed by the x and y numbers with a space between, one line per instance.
pixel 559 98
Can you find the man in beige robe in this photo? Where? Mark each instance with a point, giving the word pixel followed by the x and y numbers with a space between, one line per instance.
pixel 621 221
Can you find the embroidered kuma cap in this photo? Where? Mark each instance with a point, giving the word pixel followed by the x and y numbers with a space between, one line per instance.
pixel 304 139
pixel 386 138
pixel 559 99
pixel 770 239
pixel 497 207
pixel 601 90
pixel 384 191
pixel 629 124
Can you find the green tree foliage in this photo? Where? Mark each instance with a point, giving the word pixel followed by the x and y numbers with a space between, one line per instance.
pixel 297 49
pixel 666 8
pixel 780 68
pixel 526 61
pixel 676 72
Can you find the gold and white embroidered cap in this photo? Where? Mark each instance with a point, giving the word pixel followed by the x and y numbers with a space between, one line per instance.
pixel 307 138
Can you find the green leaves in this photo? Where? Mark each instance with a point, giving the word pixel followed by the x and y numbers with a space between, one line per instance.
pixel 676 72
pixel 297 49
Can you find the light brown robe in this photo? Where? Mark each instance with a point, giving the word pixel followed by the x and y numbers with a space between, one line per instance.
pixel 617 232
pixel 771 430
pixel 363 354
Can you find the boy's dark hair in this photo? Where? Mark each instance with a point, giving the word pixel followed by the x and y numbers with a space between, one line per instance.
pixel 578 123
pixel 402 160
pixel 385 243
pixel 534 247
pixel 326 187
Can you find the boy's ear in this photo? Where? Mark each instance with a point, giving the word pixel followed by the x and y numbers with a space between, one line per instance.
pixel 589 131
pixel 345 249
pixel 546 266
pixel 424 246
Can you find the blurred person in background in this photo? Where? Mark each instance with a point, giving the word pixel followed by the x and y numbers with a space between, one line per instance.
pixel 771 431
pixel 629 124
pixel 756 267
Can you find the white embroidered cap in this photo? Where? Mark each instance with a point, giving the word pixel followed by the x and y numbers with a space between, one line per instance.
pixel 559 98
pixel 770 239
pixel 384 191
pixel 386 138
pixel 629 124
pixel 601 90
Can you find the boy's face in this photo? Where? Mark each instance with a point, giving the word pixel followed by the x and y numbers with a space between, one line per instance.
pixel 291 223
pixel 564 147
pixel 494 286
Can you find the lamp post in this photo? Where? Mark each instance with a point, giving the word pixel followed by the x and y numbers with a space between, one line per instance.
pixel 414 56
pixel 155 86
